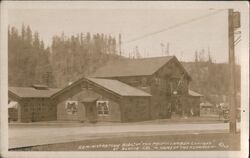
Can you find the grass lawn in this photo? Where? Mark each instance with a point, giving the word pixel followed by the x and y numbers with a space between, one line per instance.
pixel 187 142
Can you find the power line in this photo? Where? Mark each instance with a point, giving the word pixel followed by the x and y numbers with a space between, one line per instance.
pixel 173 26
pixel 237 42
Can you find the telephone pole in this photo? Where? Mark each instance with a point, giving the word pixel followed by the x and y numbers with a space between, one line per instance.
pixel 233 23
pixel 167 51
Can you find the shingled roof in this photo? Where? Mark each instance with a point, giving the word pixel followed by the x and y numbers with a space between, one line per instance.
pixel 132 67
pixel 118 87
pixel 31 92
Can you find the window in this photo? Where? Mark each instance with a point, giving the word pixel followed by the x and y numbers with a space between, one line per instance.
pixel 134 81
pixel 70 106
pixel 174 85
pixel 157 81
pixel 102 107
pixel 144 81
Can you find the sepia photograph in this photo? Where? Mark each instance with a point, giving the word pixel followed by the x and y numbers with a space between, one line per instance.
pixel 124 79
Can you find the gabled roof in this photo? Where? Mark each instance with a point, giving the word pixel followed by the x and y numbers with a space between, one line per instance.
pixel 30 92
pixel 118 87
pixel 132 67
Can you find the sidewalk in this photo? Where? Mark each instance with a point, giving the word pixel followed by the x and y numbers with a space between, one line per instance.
pixel 29 136
pixel 58 123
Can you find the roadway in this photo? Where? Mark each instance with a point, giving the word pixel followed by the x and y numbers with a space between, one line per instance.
pixel 40 135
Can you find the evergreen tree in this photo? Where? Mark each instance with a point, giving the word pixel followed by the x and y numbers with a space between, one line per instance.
pixel 27 58
pixel 196 57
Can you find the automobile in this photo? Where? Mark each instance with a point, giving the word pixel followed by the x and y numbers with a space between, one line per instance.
pixel 226 114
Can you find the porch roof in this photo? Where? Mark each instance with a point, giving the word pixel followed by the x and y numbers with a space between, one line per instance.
pixel 89 100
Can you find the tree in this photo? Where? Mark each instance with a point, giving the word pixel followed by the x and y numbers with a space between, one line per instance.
pixel 36 42
pixel 27 57
pixel 120 44
pixel 65 59
pixel 137 52
pixel 113 46
pixel 202 55
pixel 28 35
pixel 209 56
pixel 196 57
pixel 23 32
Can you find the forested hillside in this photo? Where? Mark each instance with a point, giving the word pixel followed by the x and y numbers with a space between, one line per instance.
pixel 75 56
pixel 211 79
pixel 28 59
pixel 69 58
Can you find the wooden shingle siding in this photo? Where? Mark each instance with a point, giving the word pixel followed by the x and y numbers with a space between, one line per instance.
pixel 114 112
pixel 80 114
pixel 37 109
pixel 114 115
pixel 135 109
pixel 161 85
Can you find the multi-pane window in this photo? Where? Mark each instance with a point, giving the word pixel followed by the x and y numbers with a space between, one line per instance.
pixel 70 106
pixel 144 82
pixel 157 81
pixel 178 85
pixel 102 107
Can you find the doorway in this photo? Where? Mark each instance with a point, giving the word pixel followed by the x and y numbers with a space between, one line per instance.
pixel 90 109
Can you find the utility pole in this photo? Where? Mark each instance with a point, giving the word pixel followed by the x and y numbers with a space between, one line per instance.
pixel 162 49
pixel 167 51
pixel 233 23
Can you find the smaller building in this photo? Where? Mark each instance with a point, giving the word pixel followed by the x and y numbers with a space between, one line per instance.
pixel 102 100
pixel 207 107
pixel 34 103
pixel 194 102
pixel 12 111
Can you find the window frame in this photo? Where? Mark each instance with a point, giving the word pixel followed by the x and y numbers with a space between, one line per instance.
pixel 103 108
pixel 144 82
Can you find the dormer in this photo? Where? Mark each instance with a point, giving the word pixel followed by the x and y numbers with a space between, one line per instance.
pixel 40 87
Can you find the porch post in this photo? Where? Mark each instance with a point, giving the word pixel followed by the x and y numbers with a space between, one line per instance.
pixel 19 112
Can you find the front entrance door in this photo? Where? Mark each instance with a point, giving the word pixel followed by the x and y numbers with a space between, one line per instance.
pixel 165 111
pixel 91 111
pixel 176 109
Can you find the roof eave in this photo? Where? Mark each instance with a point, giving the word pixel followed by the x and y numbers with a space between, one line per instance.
pixel 15 96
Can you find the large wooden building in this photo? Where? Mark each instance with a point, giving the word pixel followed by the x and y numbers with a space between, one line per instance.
pixel 163 77
pixel 128 90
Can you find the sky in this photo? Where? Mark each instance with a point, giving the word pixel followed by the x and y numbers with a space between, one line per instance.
pixel 210 32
